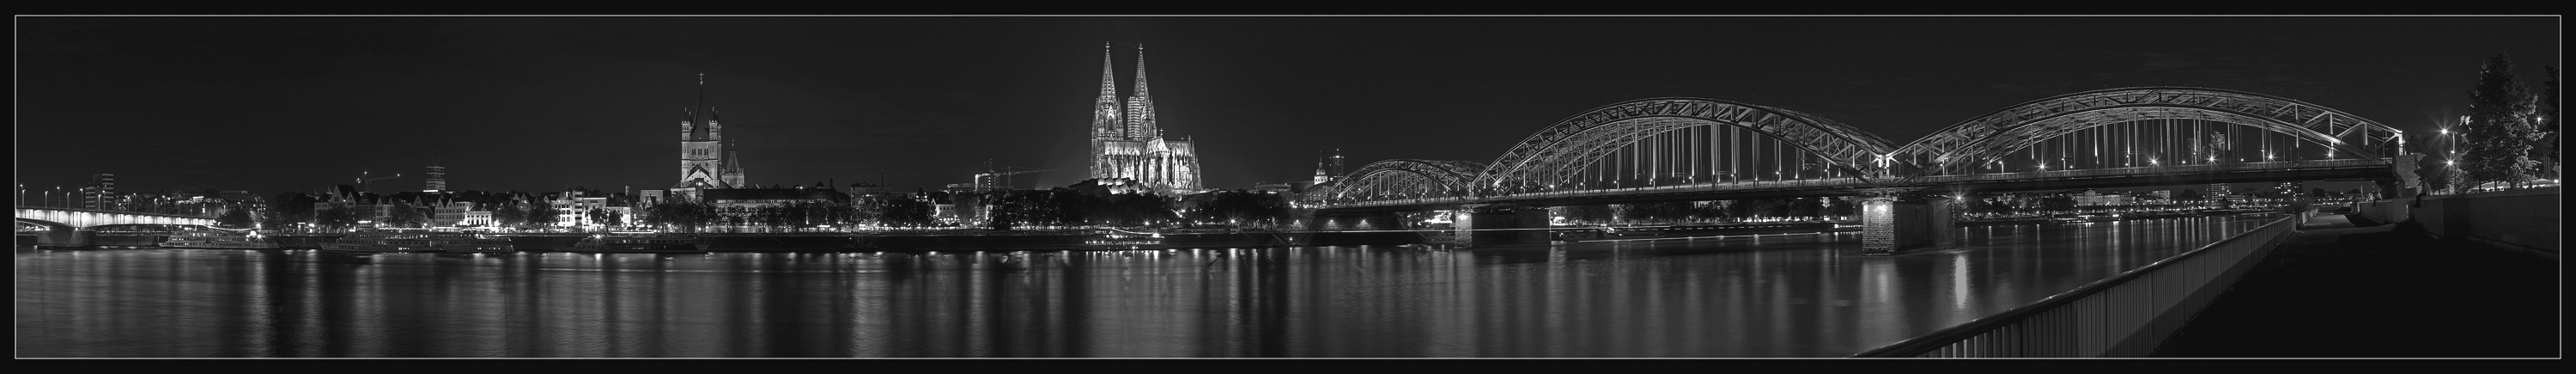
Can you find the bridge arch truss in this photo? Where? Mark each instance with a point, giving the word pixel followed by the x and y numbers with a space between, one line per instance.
pixel 2160 126
pixel 1690 134
pixel 1400 179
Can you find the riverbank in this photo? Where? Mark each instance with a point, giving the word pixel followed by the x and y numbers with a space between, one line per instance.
pixel 2361 288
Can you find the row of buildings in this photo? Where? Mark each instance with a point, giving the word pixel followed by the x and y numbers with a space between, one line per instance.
pixel 101 194
pixel 1128 148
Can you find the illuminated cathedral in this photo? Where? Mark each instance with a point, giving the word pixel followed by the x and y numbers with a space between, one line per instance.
pixel 1126 143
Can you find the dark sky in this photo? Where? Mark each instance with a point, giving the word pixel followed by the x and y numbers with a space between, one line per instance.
pixel 272 104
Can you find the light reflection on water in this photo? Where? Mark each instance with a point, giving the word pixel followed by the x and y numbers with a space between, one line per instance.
pixel 1768 296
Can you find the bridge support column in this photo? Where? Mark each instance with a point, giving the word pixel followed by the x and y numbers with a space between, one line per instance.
pixel 2404 183
pixel 1941 222
pixel 1345 222
pixel 65 238
pixel 1462 226
pixel 1892 220
pixel 1530 218
pixel 1489 224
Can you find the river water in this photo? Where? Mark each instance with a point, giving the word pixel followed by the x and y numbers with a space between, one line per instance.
pixel 1807 295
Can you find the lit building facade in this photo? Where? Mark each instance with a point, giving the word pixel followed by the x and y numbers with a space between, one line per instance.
pixel 705 163
pixel 437 178
pixel 452 214
pixel 98 194
pixel 1126 142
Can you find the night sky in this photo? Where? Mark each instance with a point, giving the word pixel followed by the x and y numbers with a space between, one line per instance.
pixel 275 104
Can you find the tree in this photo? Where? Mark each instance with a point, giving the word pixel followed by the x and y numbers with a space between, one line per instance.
pixel 903 212
pixel 1845 208
pixel 405 215
pixel 1739 210
pixel 2499 132
pixel 2436 174
pixel 2057 203
pixel 335 217
pixel 2547 110
pixel 2188 195
pixel 1771 208
pixel 687 216
pixel 1708 210
pixel 543 215
pixel 1989 207
pixel 510 215
pixel 1804 208
pixel 238 217
pixel 1656 211
pixel 291 208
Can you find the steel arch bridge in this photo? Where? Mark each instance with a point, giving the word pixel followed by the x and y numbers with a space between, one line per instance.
pixel 1956 150
pixel 1556 153
pixel 1402 178
pixel 1675 146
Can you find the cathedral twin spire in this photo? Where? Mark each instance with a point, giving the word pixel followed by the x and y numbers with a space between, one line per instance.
pixel 1126 141
pixel 1134 120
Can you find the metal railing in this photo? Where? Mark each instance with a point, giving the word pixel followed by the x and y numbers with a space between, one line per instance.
pixel 2125 315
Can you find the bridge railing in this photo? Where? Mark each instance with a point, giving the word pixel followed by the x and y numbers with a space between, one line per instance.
pixel 2123 316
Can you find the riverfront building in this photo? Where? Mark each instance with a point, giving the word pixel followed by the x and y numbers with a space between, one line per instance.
pixel 1127 143
pixel 437 178
pixel 99 191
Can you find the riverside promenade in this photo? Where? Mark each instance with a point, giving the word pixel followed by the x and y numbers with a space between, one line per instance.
pixel 2354 288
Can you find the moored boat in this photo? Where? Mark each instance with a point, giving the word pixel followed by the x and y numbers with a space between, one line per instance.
pixel 418 242
pixel 640 244
pixel 1121 240
pixel 219 240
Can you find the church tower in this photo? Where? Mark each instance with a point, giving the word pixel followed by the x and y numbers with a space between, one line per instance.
pixel 701 147
pixel 1140 106
pixel 437 175
pixel 1105 124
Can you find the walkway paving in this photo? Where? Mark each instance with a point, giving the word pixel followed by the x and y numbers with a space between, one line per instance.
pixel 2372 290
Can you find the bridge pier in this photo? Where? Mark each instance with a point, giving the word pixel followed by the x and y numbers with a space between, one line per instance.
pixel 65 238
pixel 1897 219
pixel 1493 224
pixel 1322 222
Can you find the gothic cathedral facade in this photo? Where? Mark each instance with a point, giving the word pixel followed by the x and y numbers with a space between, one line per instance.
pixel 1127 143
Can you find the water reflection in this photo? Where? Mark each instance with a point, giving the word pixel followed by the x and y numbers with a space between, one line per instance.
pixel 1769 296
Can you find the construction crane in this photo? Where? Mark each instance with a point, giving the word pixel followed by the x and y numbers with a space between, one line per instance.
pixel 362 180
pixel 983 181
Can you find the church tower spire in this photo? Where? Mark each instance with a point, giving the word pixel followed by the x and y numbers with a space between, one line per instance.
pixel 701 149
pixel 1140 107
pixel 1140 71
pixel 1108 75
pixel 1104 111
pixel 1107 128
